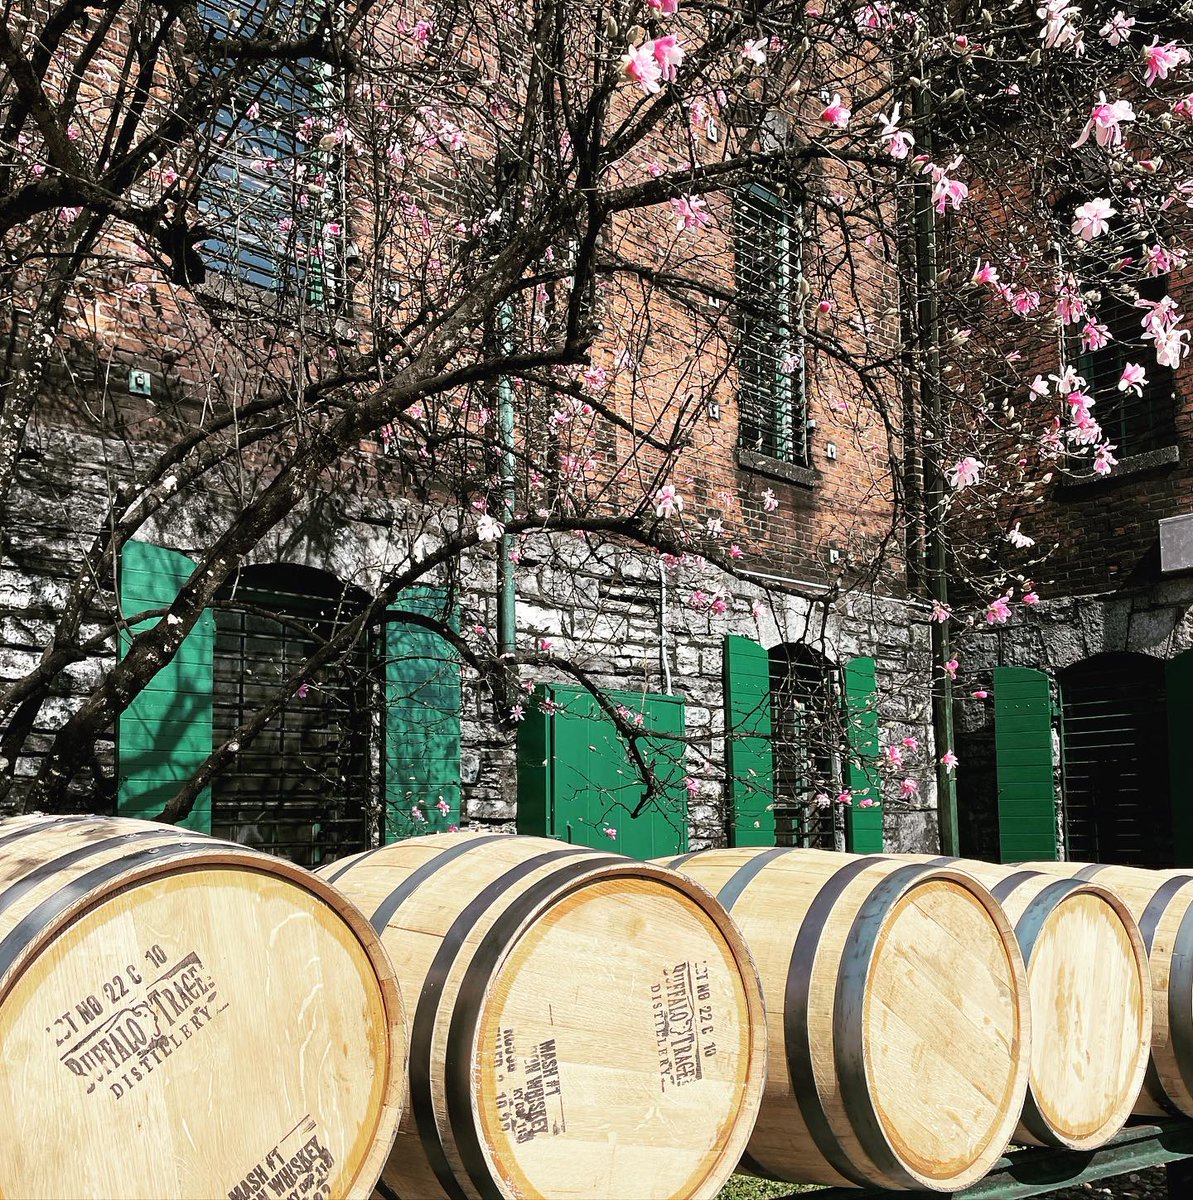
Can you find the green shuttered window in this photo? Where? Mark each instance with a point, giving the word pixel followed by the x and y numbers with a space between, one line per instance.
pixel 763 698
pixel 1023 754
pixel 422 721
pixel 576 778
pixel 164 735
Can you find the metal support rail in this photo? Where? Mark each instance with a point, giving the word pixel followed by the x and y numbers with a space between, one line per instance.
pixel 1036 1171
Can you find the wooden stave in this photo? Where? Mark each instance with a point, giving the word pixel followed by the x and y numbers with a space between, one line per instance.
pixel 567 870
pixel 1032 902
pixel 49 911
pixel 881 1166
pixel 1162 904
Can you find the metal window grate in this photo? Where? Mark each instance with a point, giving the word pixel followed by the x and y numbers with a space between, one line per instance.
pixel 1134 424
pixel 1115 738
pixel 270 190
pixel 804 721
pixel 771 397
pixel 300 788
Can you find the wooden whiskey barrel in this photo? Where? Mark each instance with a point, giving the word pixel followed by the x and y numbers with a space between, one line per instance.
pixel 584 1025
pixel 897 1010
pixel 184 1017
pixel 1162 903
pixel 1091 1003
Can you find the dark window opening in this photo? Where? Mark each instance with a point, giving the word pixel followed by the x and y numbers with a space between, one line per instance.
pixel 772 418
pixel 1134 424
pixel 1117 806
pixel 300 788
pixel 806 730
pixel 271 202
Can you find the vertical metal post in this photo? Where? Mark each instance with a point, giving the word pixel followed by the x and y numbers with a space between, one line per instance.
pixel 507 595
pixel 934 482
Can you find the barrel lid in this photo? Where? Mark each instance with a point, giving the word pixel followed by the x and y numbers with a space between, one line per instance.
pixel 210 1022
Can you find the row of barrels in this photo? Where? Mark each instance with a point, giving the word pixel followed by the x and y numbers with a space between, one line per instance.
pixel 482 1015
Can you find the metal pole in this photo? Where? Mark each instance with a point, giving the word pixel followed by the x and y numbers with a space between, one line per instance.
pixel 507 595
pixel 934 481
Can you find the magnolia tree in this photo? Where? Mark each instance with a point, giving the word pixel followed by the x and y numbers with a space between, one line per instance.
pixel 480 259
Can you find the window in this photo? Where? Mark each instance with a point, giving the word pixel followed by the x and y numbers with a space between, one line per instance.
pixel 1134 424
pixel 1115 744
pixel 271 193
pixel 300 788
pixel 806 729
pixel 771 400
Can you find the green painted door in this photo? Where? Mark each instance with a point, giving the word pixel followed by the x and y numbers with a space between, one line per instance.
pixel 1023 760
pixel 577 781
pixel 164 735
pixel 1179 692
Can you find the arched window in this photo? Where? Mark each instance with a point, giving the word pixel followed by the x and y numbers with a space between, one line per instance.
pixel 300 789
pixel 1117 806
pixel 806 731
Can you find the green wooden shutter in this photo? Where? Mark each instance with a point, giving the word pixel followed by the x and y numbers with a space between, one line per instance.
pixel 749 755
pixel 576 778
pixel 422 722
pixel 1023 758
pixel 863 826
pixel 165 733
pixel 1179 690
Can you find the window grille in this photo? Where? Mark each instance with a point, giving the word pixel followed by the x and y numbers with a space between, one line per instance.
pixel 272 190
pixel 300 788
pixel 805 722
pixel 1117 806
pixel 772 411
pixel 1134 424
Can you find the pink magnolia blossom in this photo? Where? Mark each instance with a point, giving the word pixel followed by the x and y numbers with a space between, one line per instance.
pixel 668 501
pixel 1092 219
pixel 690 785
pixel 769 501
pixel 453 829
pixel 1162 59
pixel 1070 307
pixel 894 754
pixel 639 64
pixel 1023 301
pixel 966 472
pixel 690 213
pixel 845 798
pixel 835 114
pixel 897 142
pixel 1103 459
pixel 1030 598
pixel 949 760
pixel 821 800
pixel 736 552
pixel 668 53
pixel 667 7
pixel 998 612
pixel 940 612
pixel 755 52
pixel 909 788
pixel 1134 379
pixel 1105 122
pixel 1184 107
pixel 867 803
pixel 1171 346
pixel 951 668
pixel 1118 29
pixel 947 190
pixel 912 743
pixel 610 833
pixel 443 806
pixel 984 272
pixel 1018 539
pixel 489 529
pixel 980 694
pixel 1093 335
pixel 1059 31
pixel 517 712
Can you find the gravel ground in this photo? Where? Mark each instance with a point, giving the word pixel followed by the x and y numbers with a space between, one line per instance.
pixel 1139 1185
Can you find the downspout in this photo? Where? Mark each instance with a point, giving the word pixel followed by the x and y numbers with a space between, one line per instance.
pixel 507 602
pixel 936 575
pixel 664 661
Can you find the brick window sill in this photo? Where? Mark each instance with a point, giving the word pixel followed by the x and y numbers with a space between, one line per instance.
pixel 1070 483
pixel 777 468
